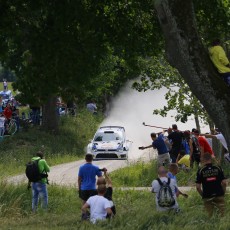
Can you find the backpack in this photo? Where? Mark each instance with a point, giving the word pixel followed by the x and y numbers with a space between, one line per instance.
pixel 32 171
pixel 196 146
pixel 165 196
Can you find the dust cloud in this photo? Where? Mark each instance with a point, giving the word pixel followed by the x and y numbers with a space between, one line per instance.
pixel 131 108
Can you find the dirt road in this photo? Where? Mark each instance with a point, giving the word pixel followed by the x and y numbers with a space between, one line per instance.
pixel 66 174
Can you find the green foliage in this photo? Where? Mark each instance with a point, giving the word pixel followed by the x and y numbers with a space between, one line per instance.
pixel 67 146
pixel 156 74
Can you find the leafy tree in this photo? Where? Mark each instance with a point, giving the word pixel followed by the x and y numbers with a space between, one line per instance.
pixel 186 52
pixel 157 73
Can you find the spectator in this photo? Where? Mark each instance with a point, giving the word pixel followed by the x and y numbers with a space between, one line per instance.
pixel 92 107
pixel 156 188
pixel 195 150
pixel 173 171
pixel 159 144
pixel 5 85
pixel 8 111
pixel 204 145
pixel 1 104
pixel 183 160
pixel 220 137
pixel 2 125
pixel 211 185
pixel 39 189
pixel 98 204
pixel 35 116
pixel 175 137
pixel 87 178
pixel 109 188
pixel 220 60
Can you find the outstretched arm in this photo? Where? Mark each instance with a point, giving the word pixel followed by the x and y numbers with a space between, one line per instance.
pixel 107 179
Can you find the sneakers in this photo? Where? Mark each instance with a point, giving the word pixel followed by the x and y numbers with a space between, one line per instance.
pixel 227 157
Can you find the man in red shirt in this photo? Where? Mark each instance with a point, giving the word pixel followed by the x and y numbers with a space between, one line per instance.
pixel 204 145
pixel 8 112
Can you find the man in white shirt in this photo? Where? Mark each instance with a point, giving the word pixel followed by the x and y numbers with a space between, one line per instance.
pixel 156 188
pixel 99 206
pixel 222 140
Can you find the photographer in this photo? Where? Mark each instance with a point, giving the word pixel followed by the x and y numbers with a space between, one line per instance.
pixel 39 188
pixel 87 179
pixel 109 189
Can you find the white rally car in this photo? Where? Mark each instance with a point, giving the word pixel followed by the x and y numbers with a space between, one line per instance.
pixel 109 142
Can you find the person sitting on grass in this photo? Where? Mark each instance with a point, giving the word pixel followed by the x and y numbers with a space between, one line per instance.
pixel 173 170
pixel 99 206
pixel 109 189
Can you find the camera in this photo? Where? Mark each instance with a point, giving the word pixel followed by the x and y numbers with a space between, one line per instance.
pixel 103 169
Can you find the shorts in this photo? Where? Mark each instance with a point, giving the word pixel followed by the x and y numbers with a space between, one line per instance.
pixel 86 194
pixel 163 159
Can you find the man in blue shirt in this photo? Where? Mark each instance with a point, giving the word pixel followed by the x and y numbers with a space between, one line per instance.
pixel 87 178
pixel 159 144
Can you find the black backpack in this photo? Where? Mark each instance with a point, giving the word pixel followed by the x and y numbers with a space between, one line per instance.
pixel 32 171
pixel 165 196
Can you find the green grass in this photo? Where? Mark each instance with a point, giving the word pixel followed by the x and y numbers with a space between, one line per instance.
pixel 67 146
pixel 142 174
pixel 135 210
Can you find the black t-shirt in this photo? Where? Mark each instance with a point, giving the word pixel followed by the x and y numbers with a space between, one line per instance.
pixel 211 176
pixel 176 139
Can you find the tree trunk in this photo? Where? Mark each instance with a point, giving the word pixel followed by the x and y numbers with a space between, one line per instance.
pixel 49 116
pixel 185 52
pixel 197 122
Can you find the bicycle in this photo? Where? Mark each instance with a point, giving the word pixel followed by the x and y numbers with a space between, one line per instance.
pixel 12 127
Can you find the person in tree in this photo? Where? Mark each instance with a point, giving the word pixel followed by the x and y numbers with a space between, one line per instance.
pixel 220 60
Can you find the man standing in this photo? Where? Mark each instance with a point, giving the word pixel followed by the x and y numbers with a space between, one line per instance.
pixel 87 178
pixel 98 204
pixel 175 137
pixel 204 145
pixel 165 198
pixel 159 144
pixel 211 185
pixel 39 188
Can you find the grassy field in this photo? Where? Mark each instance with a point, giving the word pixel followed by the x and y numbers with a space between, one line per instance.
pixel 69 145
pixel 135 210
pixel 141 174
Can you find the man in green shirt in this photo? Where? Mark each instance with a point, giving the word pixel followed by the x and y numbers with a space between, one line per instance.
pixel 39 189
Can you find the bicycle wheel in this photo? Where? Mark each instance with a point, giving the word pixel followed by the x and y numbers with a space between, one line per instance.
pixel 12 127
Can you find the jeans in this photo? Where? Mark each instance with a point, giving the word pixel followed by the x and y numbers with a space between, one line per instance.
pixel 39 190
pixel 226 77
